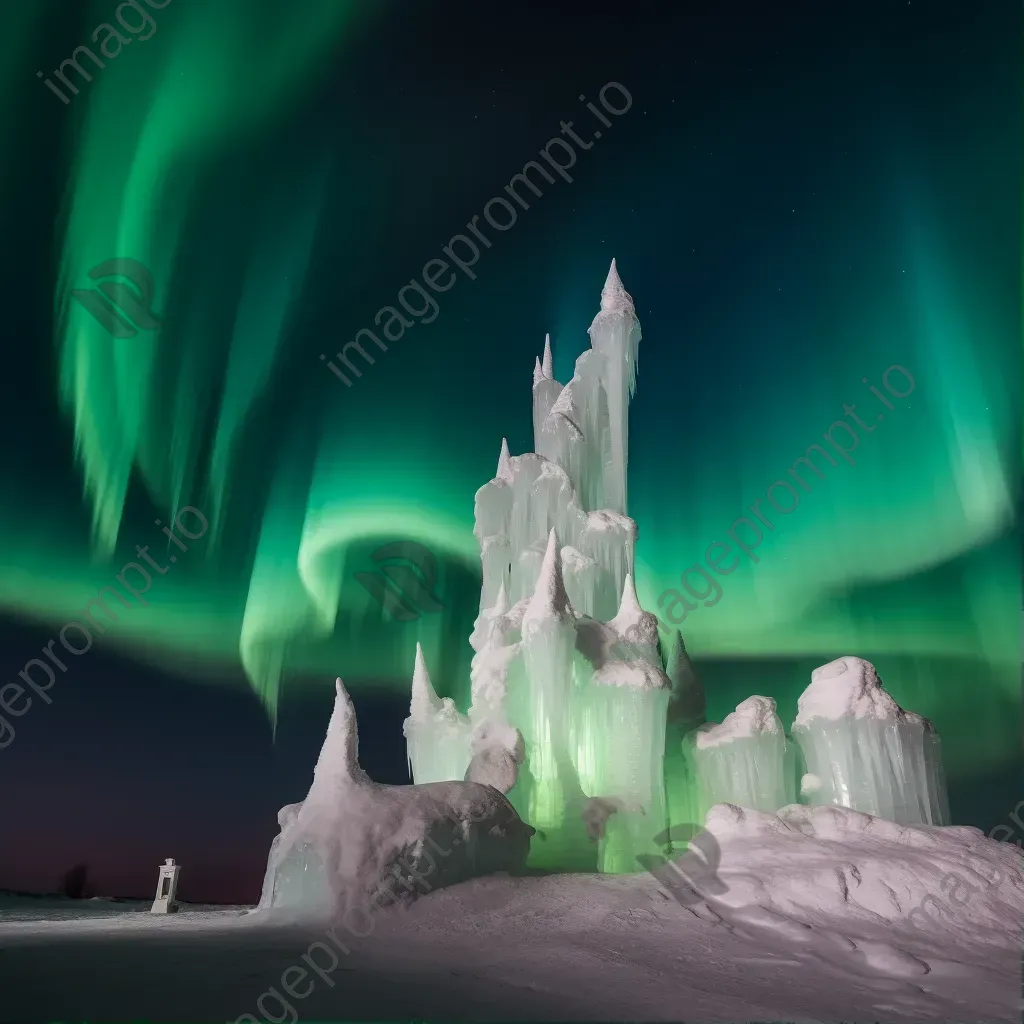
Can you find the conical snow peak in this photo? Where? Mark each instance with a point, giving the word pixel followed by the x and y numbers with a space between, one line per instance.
pixel 425 700
pixel 614 297
pixel 548 365
pixel 550 600
pixel 630 603
pixel 339 756
pixel 631 622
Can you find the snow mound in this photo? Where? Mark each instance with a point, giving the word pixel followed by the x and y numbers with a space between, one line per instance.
pixel 832 867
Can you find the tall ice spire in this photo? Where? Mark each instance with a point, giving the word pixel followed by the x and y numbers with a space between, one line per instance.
pixel 547 367
pixel 425 700
pixel 338 763
pixel 615 336
pixel 504 462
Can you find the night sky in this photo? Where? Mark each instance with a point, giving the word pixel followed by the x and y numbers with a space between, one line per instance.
pixel 798 197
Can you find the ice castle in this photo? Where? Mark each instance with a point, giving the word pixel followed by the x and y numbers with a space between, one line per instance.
pixel 568 667
pixel 585 746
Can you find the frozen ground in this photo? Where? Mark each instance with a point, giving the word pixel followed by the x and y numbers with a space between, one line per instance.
pixel 812 927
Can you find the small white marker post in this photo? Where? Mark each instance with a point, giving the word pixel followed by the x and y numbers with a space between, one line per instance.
pixel 166 885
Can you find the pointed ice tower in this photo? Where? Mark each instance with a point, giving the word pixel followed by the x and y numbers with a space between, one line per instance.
pixel 545 391
pixel 745 760
pixel 862 750
pixel 493 510
pixel 587 695
pixel 615 336
pixel 436 735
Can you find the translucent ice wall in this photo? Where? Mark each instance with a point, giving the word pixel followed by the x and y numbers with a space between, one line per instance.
pixel 746 759
pixel 295 878
pixel 863 751
pixel 619 733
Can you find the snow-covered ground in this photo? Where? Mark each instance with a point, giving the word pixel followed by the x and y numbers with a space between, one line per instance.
pixel 813 921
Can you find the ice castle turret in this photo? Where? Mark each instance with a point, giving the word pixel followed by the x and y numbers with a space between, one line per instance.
pixel 863 751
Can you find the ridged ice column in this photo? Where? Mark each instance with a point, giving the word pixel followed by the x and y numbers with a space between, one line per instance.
pixel 746 759
pixel 863 751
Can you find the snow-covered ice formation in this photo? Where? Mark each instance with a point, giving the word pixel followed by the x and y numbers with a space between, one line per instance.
pixel 863 751
pixel 356 843
pixel 615 748
pixel 745 760
pixel 565 656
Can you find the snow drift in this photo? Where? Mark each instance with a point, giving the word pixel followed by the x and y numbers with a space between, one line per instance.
pixel 811 867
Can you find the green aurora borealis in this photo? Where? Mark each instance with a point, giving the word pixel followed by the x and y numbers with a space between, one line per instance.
pixel 207 155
